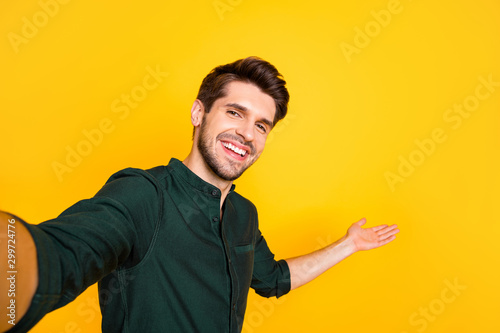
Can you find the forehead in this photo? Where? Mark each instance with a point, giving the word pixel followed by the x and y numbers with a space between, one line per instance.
pixel 249 96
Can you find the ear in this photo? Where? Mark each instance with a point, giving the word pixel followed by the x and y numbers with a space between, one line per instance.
pixel 197 111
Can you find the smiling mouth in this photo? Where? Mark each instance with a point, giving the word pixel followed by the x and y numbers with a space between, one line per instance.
pixel 234 149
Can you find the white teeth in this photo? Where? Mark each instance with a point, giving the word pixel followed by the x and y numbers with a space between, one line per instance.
pixel 235 149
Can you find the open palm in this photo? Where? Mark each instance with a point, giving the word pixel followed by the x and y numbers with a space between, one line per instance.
pixel 370 238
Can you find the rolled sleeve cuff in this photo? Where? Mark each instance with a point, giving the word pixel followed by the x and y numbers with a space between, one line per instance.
pixel 284 282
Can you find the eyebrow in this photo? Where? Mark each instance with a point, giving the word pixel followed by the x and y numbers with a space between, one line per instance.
pixel 245 109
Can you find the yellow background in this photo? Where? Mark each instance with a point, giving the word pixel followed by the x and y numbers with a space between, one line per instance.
pixel 351 119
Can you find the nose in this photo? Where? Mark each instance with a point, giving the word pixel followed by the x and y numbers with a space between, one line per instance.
pixel 246 130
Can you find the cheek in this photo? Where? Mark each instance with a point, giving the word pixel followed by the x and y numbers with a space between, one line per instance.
pixel 260 144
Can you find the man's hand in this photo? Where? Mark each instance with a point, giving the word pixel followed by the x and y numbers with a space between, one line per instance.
pixel 370 238
pixel 307 267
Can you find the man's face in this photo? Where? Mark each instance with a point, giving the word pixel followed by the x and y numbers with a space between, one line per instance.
pixel 233 134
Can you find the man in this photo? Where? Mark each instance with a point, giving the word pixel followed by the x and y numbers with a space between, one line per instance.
pixel 175 248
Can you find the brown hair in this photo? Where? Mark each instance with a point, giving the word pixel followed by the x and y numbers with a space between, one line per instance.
pixel 252 70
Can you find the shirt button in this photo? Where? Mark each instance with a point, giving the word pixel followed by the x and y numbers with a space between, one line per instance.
pixel 234 307
pixel 215 219
pixel 214 193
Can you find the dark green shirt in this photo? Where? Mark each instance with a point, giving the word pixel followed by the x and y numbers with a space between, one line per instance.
pixel 165 259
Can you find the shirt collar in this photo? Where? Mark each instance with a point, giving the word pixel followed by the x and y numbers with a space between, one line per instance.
pixel 193 179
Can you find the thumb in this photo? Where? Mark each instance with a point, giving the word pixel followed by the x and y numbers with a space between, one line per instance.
pixel 361 222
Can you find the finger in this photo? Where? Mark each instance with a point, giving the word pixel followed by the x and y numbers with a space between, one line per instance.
pixel 379 227
pixel 386 229
pixel 387 240
pixel 361 222
pixel 388 234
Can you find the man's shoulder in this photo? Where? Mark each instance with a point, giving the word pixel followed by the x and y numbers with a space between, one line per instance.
pixel 155 172
pixel 137 175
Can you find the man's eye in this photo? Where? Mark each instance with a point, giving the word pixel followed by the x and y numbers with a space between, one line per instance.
pixel 233 113
pixel 262 128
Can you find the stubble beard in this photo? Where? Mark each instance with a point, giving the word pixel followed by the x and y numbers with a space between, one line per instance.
pixel 227 170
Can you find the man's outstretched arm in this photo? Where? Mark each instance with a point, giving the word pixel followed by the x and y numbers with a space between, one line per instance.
pixel 18 288
pixel 306 268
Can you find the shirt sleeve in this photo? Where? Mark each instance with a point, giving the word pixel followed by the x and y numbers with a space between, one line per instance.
pixel 91 239
pixel 270 277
